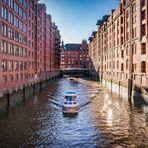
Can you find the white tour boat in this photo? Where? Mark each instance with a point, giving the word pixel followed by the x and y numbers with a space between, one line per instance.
pixel 70 103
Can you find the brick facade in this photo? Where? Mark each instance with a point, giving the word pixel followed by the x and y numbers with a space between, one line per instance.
pixel 118 48
pixel 26 44
pixel 75 55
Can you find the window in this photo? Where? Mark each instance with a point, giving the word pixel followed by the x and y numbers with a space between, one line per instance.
pixel 24 28
pixel 21 51
pixel 16 50
pixel 4 79
pixel 24 16
pixel 21 65
pixel 17 77
pixel 21 2
pixel 10 17
pixel 10 65
pixel 127 14
pixel 127 36
pixel 134 19
pixel 20 25
pixel 25 40
pixel 135 66
pixel 16 65
pixel 16 36
pixel 25 76
pixel 10 3
pixel 5 1
pixel 4 47
pixel 10 33
pixel 143 15
pixel 126 64
pixel 21 76
pixel 134 48
pixel 25 65
pixel 25 4
pixel 121 20
pixel 4 30
pixel 122 39
pixel 143 48
pixel 121 29
pixel 4 65
pixel 16 21
pixel 16 7
pixel 142 3
pixel 135 32
pixel 122 54
pixel 134 8
pixel 122 67
pixel 10 48
pixel 24 52
pixel 20 12
pixel 117 64
pixel 20 38
pixel 143 67
pixel 127 24
pixel 143 30
pixel 11 78
pixel 4 12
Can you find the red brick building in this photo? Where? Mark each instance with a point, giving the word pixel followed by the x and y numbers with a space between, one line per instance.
pixel 32 34
pixel 13 44
pixel 118 48
pixel 56 54
pixel 28 43
pixel 75 55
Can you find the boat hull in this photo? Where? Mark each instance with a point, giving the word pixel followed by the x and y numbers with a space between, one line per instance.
pixel 70 110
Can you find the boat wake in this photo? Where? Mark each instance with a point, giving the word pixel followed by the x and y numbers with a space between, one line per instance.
pixel 59 106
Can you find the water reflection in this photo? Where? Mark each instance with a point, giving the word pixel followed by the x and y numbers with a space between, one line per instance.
pixel 105 120
pixel 120 123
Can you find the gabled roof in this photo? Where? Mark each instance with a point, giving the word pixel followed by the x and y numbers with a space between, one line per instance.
pixel 72 46
pixel 94 33
pixel 104 19
pixel 90 39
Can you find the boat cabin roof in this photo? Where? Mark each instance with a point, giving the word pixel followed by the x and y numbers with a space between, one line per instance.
pixel 70 94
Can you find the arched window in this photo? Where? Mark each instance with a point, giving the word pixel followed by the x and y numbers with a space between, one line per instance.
pixel 126 64
pixel 117 64
pixel 127 50
pixel 143 48
pixel 132 67
pixel 134 46
pixel 143 67
pixel 135 76
pixel 122 67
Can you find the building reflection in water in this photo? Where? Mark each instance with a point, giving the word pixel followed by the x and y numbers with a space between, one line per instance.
pixel 119 122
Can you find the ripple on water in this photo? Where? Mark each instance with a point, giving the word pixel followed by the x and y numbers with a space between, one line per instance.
pixel 107 121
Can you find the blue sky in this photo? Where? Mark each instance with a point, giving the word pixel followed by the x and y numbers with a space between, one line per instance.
pixel 76 19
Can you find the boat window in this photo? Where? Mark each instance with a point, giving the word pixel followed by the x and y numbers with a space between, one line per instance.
pixel 74 97
pixel 68 98
pixel 70 102
pixel 74 103
pixel 65 102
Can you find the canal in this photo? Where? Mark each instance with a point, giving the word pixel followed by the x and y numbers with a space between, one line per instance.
pixel 105 120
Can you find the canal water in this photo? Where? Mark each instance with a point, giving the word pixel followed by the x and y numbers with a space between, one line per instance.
pixel 104 120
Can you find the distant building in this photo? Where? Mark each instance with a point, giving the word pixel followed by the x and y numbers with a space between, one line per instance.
pixel 75 55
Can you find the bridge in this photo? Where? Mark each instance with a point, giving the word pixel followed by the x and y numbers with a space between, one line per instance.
pixel 74 71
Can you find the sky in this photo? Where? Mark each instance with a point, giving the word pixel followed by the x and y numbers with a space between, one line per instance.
pixel 76 19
